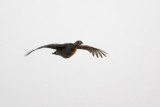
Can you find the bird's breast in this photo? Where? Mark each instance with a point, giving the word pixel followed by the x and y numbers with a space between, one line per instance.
pixel 73 52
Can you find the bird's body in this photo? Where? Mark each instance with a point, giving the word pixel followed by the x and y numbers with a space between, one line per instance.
pixel 68 49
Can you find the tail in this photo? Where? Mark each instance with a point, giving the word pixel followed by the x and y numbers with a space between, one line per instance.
pixel 36 49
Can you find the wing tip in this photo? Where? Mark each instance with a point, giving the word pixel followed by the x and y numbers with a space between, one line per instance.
pixel 28 53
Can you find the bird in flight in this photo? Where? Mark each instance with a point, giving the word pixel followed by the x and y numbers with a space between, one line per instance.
pixel 68 49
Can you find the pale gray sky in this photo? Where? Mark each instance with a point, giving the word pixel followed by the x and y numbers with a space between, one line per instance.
pixel 128 30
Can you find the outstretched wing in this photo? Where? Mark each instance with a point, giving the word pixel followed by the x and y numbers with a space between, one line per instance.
pixel 52 46
pixel 93 50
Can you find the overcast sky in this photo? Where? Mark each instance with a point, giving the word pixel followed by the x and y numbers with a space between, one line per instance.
pixel 129 30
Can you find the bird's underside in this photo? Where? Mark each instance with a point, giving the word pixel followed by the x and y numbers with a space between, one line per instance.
pixel 69 49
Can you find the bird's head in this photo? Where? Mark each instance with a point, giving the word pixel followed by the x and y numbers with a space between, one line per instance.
pixel 78 43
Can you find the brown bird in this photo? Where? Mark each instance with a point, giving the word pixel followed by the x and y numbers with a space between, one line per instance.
pixel 68 49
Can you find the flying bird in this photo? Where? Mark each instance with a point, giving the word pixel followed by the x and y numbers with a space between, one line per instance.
pixel 68 49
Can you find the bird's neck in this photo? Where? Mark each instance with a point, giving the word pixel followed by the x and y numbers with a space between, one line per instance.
pixel 76 45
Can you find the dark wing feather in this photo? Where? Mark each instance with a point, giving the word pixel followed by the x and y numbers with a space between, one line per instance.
pixel 52 46
pixel 94 51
